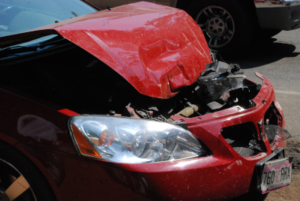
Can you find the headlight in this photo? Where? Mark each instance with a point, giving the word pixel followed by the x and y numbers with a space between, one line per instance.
pixel 128 140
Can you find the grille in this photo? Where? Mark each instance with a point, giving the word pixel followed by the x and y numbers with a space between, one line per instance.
pixel 241 148
pixel 243 139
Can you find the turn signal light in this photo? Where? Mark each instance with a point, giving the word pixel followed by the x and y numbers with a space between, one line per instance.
pixel 84 145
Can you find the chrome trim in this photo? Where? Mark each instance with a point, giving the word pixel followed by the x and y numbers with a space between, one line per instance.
pixel 275 3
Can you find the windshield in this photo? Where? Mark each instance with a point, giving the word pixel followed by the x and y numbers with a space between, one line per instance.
pixel 17 16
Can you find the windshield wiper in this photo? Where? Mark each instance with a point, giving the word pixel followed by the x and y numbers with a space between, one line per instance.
pixel 53 41
pixel 20 49
pixel 17 49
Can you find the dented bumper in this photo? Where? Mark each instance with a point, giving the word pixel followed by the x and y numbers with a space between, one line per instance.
pixel 158 64
pixel 225 171
pixel 194 178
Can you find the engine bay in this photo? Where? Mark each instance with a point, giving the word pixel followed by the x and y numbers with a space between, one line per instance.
pixel 76 80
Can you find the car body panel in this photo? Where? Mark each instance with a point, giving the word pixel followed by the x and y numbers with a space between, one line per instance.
pixel 40 130
pixel 135 41
pixel 49 146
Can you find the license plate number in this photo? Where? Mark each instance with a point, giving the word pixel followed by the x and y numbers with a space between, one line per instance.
pixel 276 174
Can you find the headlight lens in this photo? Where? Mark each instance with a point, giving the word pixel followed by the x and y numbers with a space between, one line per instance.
pixel 128 140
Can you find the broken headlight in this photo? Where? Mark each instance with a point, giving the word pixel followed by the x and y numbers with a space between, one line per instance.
pixel 128 140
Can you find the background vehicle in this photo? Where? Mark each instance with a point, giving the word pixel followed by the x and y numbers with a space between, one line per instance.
pixel 231 25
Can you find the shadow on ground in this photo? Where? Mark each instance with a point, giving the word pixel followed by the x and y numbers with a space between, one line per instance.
pixel 262 53
pixel 251 197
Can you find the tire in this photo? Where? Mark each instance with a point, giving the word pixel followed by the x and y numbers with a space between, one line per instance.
pixel 227 25
pixel 15 166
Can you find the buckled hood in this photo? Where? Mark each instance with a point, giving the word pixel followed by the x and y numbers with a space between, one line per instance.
pixel 157 49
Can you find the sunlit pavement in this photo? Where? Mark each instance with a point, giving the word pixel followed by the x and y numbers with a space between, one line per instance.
pixel 279 60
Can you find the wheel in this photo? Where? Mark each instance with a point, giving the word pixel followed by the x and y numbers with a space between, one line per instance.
pixel 20 180
pixel 227 25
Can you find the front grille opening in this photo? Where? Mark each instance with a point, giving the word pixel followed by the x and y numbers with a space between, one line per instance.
pixel 272 117
pixel 243 139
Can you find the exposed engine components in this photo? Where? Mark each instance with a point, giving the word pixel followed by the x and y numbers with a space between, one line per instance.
pixel 221 86
pixel 218 79
pixel 186 112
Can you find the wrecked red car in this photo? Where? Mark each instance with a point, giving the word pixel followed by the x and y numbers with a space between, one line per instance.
pixel 130 103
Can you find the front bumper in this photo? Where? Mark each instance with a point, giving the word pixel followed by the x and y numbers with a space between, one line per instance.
pixel 281 15
pixel 224 175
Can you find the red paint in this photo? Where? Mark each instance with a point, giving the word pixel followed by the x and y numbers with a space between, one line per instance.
pixel 157 49
pixel 68 112
pixel 225 172
pixel 135 41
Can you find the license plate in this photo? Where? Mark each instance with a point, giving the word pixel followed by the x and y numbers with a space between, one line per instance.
pixel 276 174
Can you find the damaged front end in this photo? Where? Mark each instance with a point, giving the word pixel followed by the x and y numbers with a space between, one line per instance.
pixel 157 105
pixel 219 87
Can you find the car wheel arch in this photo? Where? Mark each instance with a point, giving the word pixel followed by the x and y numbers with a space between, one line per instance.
pixel 242 25
pixel 181 4
pixel 35 162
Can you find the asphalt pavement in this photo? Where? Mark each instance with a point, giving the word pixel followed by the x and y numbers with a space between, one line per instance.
pixel 278 59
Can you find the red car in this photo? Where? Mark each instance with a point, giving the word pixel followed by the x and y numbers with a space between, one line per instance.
pixel 128 104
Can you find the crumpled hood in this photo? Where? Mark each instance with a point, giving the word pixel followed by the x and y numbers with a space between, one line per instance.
pixel 157 49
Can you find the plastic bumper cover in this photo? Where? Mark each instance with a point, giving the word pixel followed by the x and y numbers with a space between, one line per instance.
pixel 223 175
